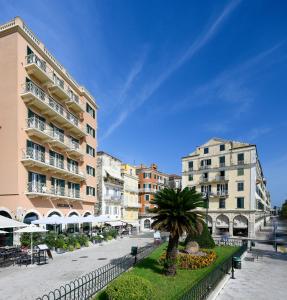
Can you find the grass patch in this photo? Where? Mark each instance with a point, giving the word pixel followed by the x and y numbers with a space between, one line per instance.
pixel 172 287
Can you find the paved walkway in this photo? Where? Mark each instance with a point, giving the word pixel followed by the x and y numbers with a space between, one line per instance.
pixel 261 279
pixel 27 283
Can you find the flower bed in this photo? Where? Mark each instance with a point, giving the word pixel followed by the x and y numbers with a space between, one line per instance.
pixel 192 262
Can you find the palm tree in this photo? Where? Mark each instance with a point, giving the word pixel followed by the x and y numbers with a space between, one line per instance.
pixel 175 212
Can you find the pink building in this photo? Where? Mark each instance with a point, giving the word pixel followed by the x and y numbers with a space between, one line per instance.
pixel 47 129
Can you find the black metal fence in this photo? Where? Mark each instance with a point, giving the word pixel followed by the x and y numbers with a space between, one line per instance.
pixel 88 285
pixel 204 287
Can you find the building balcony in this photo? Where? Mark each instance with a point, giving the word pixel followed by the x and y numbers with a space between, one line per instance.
pixel 75 149
pixel 240 162
pixel 205 167
pixel 132 205
pixel 32 158
pixel 147 190
pixel 58 88
pixel 75 103
pixel 222 193
pixel 38 69
pixel 113 198
pixel 46 134
pixel 221 178
pixel 37 189
pixel 33 95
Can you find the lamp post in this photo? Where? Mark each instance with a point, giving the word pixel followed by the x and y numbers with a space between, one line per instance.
pixel 206 197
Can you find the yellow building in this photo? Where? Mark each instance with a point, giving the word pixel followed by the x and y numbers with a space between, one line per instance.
pixel 230 174
pixel 130 195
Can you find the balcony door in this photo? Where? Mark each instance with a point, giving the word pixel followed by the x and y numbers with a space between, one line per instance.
pixel 56 159
pixel 57 133
pixel 73 166
pixel 58 186
pixel 36 121
pixel 36 183
pixel 74 190
pixel 35 151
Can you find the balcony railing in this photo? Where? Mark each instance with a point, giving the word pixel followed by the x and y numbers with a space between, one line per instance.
pixel 147 190
pixel 240 162
pixel 49 103
pixel 52 163
pixel 114 198
pixel 221 178
pixel 222 164
pixel 205 167
pixel 58 88
pixel 203 179
pixel 44 131
pixel 222 193
pixel 37 188
pixel 38 68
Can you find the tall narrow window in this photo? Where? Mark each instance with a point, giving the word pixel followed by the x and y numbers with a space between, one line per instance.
pixel 240 202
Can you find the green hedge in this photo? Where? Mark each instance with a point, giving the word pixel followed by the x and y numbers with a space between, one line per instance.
pixel 130 287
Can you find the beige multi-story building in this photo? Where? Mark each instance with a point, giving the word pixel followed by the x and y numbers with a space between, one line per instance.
pixel 130 195
pixel 47 129
pixel 110 186
pixel 230 176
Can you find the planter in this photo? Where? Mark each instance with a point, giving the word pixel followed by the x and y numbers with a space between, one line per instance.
pixel 60 251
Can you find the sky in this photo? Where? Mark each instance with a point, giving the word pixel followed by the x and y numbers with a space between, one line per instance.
pixel 169 75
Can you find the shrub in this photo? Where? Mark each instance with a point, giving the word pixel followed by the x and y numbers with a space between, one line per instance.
pixel 78 245
pixel 60 243
pixel 109 237
pixel 50 239
pixel 204 240
pixel 71 248
pixel 82 239
pixel 65 247
pixel 192 262
pixel 113 233
pixel 25 239
pixel 130 287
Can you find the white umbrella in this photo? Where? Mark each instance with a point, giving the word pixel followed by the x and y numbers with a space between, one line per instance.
pixel 53 220
pixel 10 223
pixel 3 232
pixel 31 229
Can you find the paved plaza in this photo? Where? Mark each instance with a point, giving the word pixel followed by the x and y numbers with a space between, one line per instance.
pixel 27 283
pixel 261 279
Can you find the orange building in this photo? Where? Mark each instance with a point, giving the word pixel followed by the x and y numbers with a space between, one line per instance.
pixel 150 181
pixel 47 130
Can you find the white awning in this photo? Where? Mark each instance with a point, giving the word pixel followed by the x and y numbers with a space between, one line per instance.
pixel 133 223
pixel 53 220
pixel 10 223
pixel 115 223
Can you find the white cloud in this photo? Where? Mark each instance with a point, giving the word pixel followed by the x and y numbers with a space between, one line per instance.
pixel 196 46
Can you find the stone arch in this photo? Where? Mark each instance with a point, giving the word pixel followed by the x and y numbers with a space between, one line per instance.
pixel 240 226
pixel 73 213
pixel 6 239
pixel 209 221
pixel 222 221
pixel 5 213
pixel 31 216
pixel 87 213
pixel 147 224
pixel 54 212
pixel 240 221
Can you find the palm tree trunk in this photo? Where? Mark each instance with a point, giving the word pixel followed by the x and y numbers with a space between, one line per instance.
pixel 171 253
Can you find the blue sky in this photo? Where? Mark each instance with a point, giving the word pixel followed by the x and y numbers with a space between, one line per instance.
pixel 169 75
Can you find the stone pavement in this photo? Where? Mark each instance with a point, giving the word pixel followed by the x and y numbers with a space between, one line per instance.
pixel 261 279
pixel 27 283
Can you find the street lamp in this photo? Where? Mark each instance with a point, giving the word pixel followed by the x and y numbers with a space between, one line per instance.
pixel 206 197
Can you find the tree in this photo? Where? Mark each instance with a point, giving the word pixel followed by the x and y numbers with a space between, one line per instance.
pixel 175 212
pixel 204 239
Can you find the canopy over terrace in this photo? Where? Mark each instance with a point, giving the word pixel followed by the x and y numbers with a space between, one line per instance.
pixel 10 223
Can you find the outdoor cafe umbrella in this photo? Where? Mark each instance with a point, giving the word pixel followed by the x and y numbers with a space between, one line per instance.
pixel 3 232
pixel 31 229
pixel 10 223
